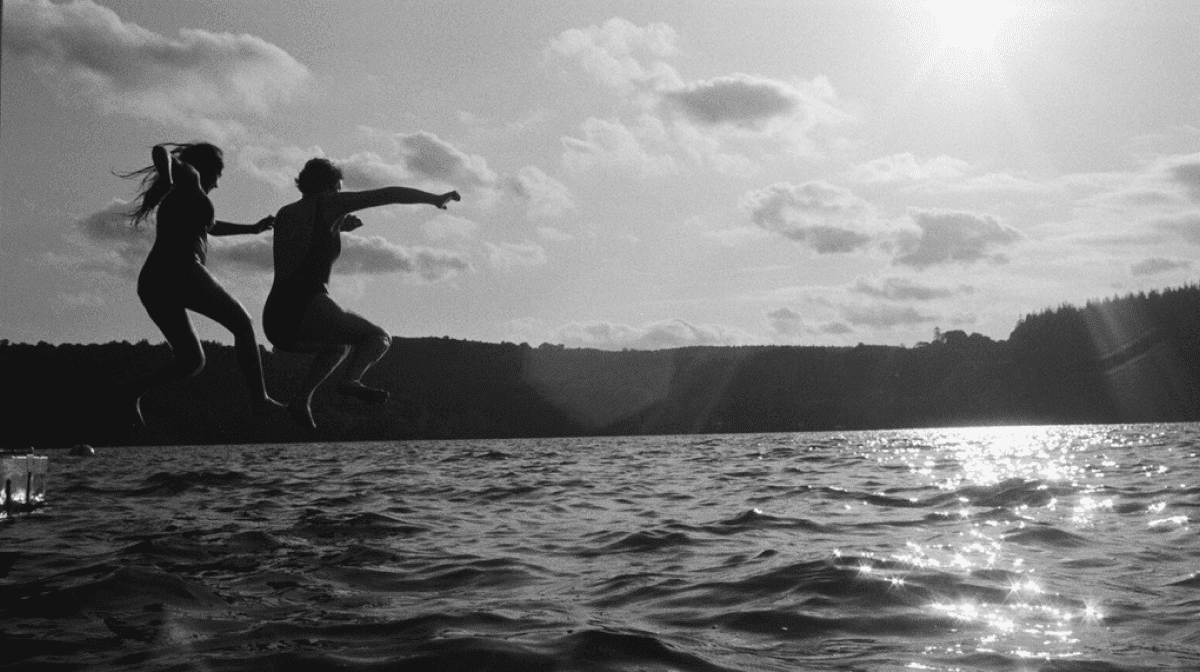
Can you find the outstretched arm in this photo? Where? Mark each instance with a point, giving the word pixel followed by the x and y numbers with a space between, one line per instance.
pixel 222 228
pixel 344 202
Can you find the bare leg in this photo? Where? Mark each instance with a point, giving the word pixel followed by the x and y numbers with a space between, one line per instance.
pixel 333 334
pixel 300 406
pixel 364 355
pixel 187 355
pixel 211 299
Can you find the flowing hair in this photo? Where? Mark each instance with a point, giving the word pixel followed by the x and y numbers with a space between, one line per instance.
pixel 205 157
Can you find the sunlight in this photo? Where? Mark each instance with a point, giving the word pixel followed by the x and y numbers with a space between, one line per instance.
pixel 970 24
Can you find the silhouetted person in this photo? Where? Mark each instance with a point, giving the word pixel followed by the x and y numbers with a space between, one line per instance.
pixel 174 280
pixel 299 315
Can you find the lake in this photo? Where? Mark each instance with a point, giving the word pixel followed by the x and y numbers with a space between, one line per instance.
pixel 1022 548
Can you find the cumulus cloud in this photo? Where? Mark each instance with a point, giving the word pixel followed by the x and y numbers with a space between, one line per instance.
pixel 653 336
pixel 252 254
pixel 906 168
pixel 613 52
pixel 109 244
pixel 1156 265
pixel 545 196
pixel 276 166
pixel 430 157
pixel 904 289
pixel 612 143
pixel 125 68
pixel 944 237
pixel 700 120
pixel 368 170
pixel 373 255
pixel 825 217
pixel 510 256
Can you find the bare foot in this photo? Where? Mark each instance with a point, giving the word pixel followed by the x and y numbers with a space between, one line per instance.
pixel 302 415
pixel 370 395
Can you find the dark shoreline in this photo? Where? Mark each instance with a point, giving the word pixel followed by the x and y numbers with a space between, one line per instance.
pixel 1125 360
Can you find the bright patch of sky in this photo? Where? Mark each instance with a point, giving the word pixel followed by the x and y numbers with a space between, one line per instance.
pixel 634 175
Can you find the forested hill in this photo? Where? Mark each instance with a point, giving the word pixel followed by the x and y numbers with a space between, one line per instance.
pixel 1129 359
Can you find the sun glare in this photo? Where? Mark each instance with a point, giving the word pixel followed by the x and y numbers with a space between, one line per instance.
pixel 970 24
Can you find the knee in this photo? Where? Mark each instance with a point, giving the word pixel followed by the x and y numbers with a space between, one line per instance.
pixel 377 340
pixel 383 340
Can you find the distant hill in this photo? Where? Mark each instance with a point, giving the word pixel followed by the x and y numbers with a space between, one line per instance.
pixel 1130 359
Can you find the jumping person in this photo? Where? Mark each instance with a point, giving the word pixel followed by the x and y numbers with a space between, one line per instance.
pixel 299 315
pixel 174 279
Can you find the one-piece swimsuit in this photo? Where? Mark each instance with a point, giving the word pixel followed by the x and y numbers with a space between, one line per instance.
pixel 174 269
pixel 290 296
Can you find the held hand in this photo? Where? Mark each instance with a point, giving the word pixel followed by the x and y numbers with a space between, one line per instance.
pixel 350 223
pixel 265 223
pixel 446 198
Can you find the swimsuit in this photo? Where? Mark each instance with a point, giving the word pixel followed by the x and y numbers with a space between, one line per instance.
pixel 174 270
pixel 290 296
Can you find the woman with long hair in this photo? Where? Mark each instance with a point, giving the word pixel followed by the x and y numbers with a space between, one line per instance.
pixel 174 279
pixel 299 315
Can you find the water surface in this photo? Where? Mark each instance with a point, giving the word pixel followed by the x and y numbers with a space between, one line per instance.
pixel 1040 548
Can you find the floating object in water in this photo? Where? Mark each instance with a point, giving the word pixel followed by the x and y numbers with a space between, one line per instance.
pixel 22 482
pixel 83 450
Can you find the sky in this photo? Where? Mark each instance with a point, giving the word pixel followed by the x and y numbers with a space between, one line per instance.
pixel 634 174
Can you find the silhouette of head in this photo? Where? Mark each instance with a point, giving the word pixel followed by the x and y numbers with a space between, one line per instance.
pixel 319 176
pixel 206 158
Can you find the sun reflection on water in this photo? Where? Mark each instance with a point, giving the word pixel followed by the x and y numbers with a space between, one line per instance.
pixel 1018 490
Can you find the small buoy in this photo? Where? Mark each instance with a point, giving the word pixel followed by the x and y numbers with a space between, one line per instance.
pixel 83 450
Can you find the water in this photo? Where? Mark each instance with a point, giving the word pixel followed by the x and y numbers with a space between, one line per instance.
pixel 1051 548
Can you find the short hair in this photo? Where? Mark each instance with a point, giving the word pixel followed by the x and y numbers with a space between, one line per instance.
pixel 318 175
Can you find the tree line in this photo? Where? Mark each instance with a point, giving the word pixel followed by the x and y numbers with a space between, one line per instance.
pixel 1134 358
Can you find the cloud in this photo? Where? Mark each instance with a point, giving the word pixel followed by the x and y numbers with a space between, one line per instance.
pixel 904 289
pixel 372 255
pixel 612 143
pixel 545 196
pixel 125 68
pixel 276 166
pixel 252 254
pixel 361 255
pixel 906 168
pixel 701 120
pixel 739 99
pixel 430 157
pixel 653 336
pixel 823 216
pixel 787 322
pixel 612 52
pixel 449 226
pixel 510 256
pixel 944 237
pixel 109 244
pixel 1156 265
pixel 1188 176
pixel 884 315
pixel 1186 227
pixel 368 170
